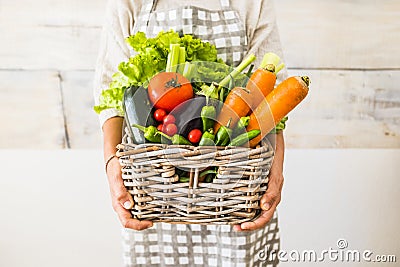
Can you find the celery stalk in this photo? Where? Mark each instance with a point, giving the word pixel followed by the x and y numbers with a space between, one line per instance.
pixel 173 58
pixel 279 68
pixel 187 70
pixel 169 62
pixel 182 55
pixel 182 59
pixel 246 62
pixel 213 90
pixel 272 59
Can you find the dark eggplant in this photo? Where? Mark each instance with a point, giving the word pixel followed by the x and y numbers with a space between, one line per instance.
pixel 138 110
pixel 188 114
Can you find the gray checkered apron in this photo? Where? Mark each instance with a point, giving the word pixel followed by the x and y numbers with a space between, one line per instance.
pixel 222 28
pixel 199 245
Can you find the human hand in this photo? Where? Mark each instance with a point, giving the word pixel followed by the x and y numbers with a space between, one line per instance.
pixel 122 201
pixel 268 202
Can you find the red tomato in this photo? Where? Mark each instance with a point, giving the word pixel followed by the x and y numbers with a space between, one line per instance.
pixel 169 119
pixel 170 129
pixel 159 114
pixel 169 89
pixel 194 135
pixel 160 127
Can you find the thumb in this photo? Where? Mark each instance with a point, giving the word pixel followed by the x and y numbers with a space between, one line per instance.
pixel 126 200
pixel 267 201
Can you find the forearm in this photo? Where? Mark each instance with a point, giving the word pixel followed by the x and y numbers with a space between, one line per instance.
pixel 112 135
pixel 277 165
pixel 122 200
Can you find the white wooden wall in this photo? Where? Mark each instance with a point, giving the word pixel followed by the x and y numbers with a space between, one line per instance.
pixel 350 50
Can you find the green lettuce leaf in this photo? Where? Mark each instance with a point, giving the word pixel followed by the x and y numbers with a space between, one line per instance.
pixel 119 80
pixel 140 68
pixel 111 98
pixel 151 58
pixel 159 44
pixel 196 50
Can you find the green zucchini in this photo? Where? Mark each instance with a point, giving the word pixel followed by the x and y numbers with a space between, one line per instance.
pixel 138 110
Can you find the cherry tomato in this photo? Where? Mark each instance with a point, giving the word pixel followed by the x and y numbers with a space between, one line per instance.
pixel 159 114
pixel 194 135
pixel 170 129
pixel 169 89
pixel 160 127
pixel 169 119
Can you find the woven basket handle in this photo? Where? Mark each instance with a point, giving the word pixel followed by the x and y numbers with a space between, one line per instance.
pixel 193 178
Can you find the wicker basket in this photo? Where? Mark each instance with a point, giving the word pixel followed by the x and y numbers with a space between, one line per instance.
pixel 148 171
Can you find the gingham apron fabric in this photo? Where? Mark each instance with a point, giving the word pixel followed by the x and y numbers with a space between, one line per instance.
pixel 199 245
pixel 221 27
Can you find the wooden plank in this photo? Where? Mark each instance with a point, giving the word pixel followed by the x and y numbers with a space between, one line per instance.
pixel 340 33
pixel 347 109
pixel 315 34
pixel 43 47
pixel 31 110
pixel 47 34
pixel 89 13
pixel 82 122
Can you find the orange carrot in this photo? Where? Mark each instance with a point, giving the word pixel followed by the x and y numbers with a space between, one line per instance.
pixel 277 105
pixel 261 83
pixel 263 80
pixel 237 104
pixel 240 101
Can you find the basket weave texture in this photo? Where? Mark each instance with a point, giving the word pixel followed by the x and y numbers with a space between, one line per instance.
pixel 149 174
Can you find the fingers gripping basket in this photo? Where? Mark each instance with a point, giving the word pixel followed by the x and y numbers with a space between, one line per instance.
pixel 149 174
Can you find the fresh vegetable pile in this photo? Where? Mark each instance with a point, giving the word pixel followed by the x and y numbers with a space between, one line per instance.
pixel 151 58
pixel 176 91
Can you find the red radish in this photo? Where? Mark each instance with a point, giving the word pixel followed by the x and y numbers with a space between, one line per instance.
pixel 160 127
